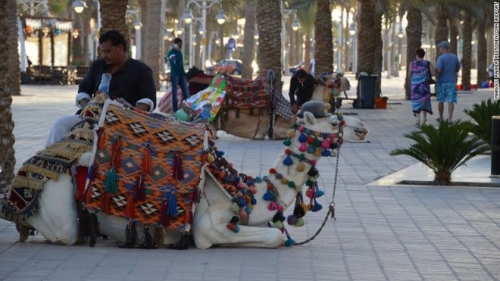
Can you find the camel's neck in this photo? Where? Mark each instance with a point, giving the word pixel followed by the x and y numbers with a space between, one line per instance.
pixel 290 179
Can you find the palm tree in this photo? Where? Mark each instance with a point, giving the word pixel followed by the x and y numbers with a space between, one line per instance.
pixel 152 52
pixel 249 40
pixel 413 40
pixel 366 31
pixel 467 51
pixel 306 18
pixel 113 16
pixel 7 159
pixel 443 149
pixel 323 37
pixel 14 66
pixel 269 49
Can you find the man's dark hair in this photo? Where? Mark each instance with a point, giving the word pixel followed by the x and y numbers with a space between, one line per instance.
pixel 115 37
pixel 420 53
pixel 301 73
pixel 177 40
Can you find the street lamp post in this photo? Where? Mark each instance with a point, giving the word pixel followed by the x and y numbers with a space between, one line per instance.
pixel 204 6
pixel 352 32
pixel 400 36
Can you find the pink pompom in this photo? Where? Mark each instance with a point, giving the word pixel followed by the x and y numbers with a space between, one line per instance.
pixel 281 208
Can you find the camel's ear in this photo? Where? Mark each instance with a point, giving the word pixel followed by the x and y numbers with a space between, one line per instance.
pixel 309 118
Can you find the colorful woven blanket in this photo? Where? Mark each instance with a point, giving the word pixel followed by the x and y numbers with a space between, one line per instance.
pixel 22 197
pixel 247 94
pixel 146 169
pixel 213 95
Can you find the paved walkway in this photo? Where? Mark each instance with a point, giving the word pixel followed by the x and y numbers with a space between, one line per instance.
pixel 383 231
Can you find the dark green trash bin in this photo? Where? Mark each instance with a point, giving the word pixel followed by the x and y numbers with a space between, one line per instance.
pixel 367 90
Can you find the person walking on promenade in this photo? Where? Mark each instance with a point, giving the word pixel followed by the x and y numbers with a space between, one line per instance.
pixel 131 80
pixel 420 71
pixel 177 73
pixel 447 67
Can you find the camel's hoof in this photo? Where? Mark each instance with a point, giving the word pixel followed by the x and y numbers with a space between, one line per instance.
pixel 92 241
pixel 24 232
pixel 183 243
pixel 80 241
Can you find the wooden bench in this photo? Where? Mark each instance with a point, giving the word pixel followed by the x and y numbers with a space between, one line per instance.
pixel 81 71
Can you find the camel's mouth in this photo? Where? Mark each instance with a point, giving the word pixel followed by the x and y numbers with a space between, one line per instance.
pixel 361 133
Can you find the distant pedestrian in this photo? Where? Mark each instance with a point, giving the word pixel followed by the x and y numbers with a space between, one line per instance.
pixel 312 67
pixel 491 71
pixel 420 71
pixel 177 72
pixel 447 68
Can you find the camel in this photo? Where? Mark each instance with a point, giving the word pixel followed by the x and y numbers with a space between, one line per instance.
pixel 273 193
pixel 327 83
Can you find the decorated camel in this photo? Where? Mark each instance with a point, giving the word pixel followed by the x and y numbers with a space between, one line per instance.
pixel 151 175
pixel 251 109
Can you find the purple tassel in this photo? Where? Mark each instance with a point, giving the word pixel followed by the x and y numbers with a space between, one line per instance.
pixel 140 190
pixel 178 171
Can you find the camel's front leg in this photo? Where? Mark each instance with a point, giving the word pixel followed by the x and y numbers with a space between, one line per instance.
pixel 206 236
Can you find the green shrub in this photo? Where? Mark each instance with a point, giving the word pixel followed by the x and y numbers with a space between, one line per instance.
pixel 443 149
pixel 481 114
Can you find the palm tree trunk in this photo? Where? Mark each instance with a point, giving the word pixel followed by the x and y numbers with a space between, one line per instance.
pixel 249 40
pixel 379 48
pixel 453 21
pixel 269 49
pixel 307 51
pixel 14 67
pixel 113 14
pixel 152 55
pixel 482 61
pixel 367 49
pixel 442 178
pixel 7 159
pixel 467 52
pixel 324 37
pixel 441 33
pixel 143 6
pixel 413 40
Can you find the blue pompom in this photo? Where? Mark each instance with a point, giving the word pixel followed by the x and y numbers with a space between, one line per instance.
pixel 258 179
pixel 289 242
pixel 318 193
pixel 317 207
pixel 242 202
pixel 249 182
pixel 311 149
pixel 266 196
pixel 248 210
pixel 302 138
pixel 236 228
pixel 325 153
pixel 254 201
pixel 220 153
pixel 288 161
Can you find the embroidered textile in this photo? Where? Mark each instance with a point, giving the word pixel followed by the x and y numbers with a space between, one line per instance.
pixel 22 197
pixel 146 169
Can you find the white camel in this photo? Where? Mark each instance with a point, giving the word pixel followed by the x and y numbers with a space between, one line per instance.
pixel 56 216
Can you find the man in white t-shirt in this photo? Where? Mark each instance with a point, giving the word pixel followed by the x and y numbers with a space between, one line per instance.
pixel 312 67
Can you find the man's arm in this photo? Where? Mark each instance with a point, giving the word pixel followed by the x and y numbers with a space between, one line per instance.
pixel 439 66
pixel 293 88
pixel 86 87
pixel 147 101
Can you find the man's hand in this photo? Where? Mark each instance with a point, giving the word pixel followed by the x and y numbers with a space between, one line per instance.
pixel 84 102
pixel 295 108
pixel 143 107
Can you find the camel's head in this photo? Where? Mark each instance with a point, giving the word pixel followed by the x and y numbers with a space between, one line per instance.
pixel 312 116
pixel 316 133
